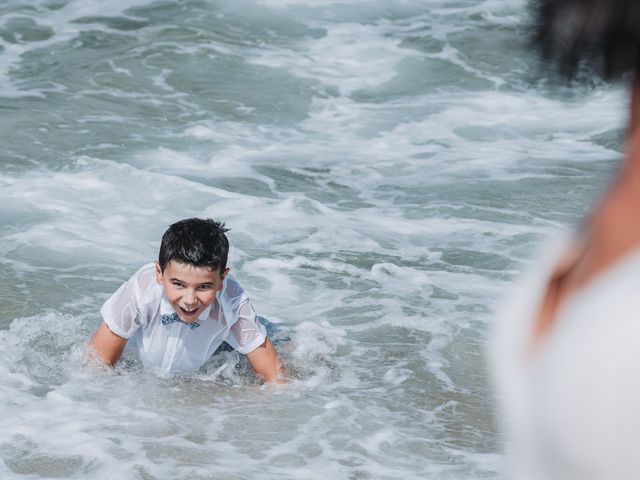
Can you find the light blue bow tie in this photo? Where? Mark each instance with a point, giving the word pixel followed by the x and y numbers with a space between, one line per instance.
pixel 169 318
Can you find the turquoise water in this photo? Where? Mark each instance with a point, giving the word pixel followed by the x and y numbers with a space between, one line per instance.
pixel 386 167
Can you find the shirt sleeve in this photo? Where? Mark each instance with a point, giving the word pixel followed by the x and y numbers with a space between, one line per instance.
pixel 247 333
pixel 120 312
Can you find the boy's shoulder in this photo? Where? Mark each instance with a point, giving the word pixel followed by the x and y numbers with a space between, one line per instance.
pixel 144 284
pixel 232 288
pixel 145 277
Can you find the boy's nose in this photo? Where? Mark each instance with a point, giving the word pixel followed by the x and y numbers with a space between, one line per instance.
pixel 190 297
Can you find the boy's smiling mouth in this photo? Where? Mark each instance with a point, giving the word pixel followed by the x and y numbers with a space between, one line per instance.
pixel 187 314
pixel 188 311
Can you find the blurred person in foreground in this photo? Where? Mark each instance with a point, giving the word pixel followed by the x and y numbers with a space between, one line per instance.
pixel 567 347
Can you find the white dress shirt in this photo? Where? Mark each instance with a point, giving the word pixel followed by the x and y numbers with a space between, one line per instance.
pixel 139 311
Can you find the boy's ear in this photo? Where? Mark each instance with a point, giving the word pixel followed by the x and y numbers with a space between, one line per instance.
pixel 158 272
pixel 222 275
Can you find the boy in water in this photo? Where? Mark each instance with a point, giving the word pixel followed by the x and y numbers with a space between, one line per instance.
pixel 181 308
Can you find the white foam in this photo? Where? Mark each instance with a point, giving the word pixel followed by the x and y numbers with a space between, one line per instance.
pixel 350 57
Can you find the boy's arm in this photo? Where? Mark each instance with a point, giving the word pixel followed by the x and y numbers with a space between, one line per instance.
pixel 106 345
pixel 266 362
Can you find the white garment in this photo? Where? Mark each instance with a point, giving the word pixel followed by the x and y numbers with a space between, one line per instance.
pixel 571 407
pixel 135 311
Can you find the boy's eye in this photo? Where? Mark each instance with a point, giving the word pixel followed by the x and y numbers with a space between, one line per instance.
pixel 177 284
pixel 205 286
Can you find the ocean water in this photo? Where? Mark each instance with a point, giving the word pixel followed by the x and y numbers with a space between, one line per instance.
pixel 387 169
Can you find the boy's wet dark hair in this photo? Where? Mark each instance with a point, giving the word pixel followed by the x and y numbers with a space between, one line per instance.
pixel 195 241
pixel 603 34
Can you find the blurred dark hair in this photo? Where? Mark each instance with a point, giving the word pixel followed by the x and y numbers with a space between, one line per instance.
pixel 195 241
pixel 603 34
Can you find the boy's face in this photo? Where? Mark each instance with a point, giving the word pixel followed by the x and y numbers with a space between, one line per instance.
pixel 189 289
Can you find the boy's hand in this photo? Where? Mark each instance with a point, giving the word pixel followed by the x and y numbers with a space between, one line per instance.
pixel 106 345
pixel 266 363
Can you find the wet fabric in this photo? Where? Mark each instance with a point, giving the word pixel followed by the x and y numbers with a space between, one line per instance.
pixel 140 312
